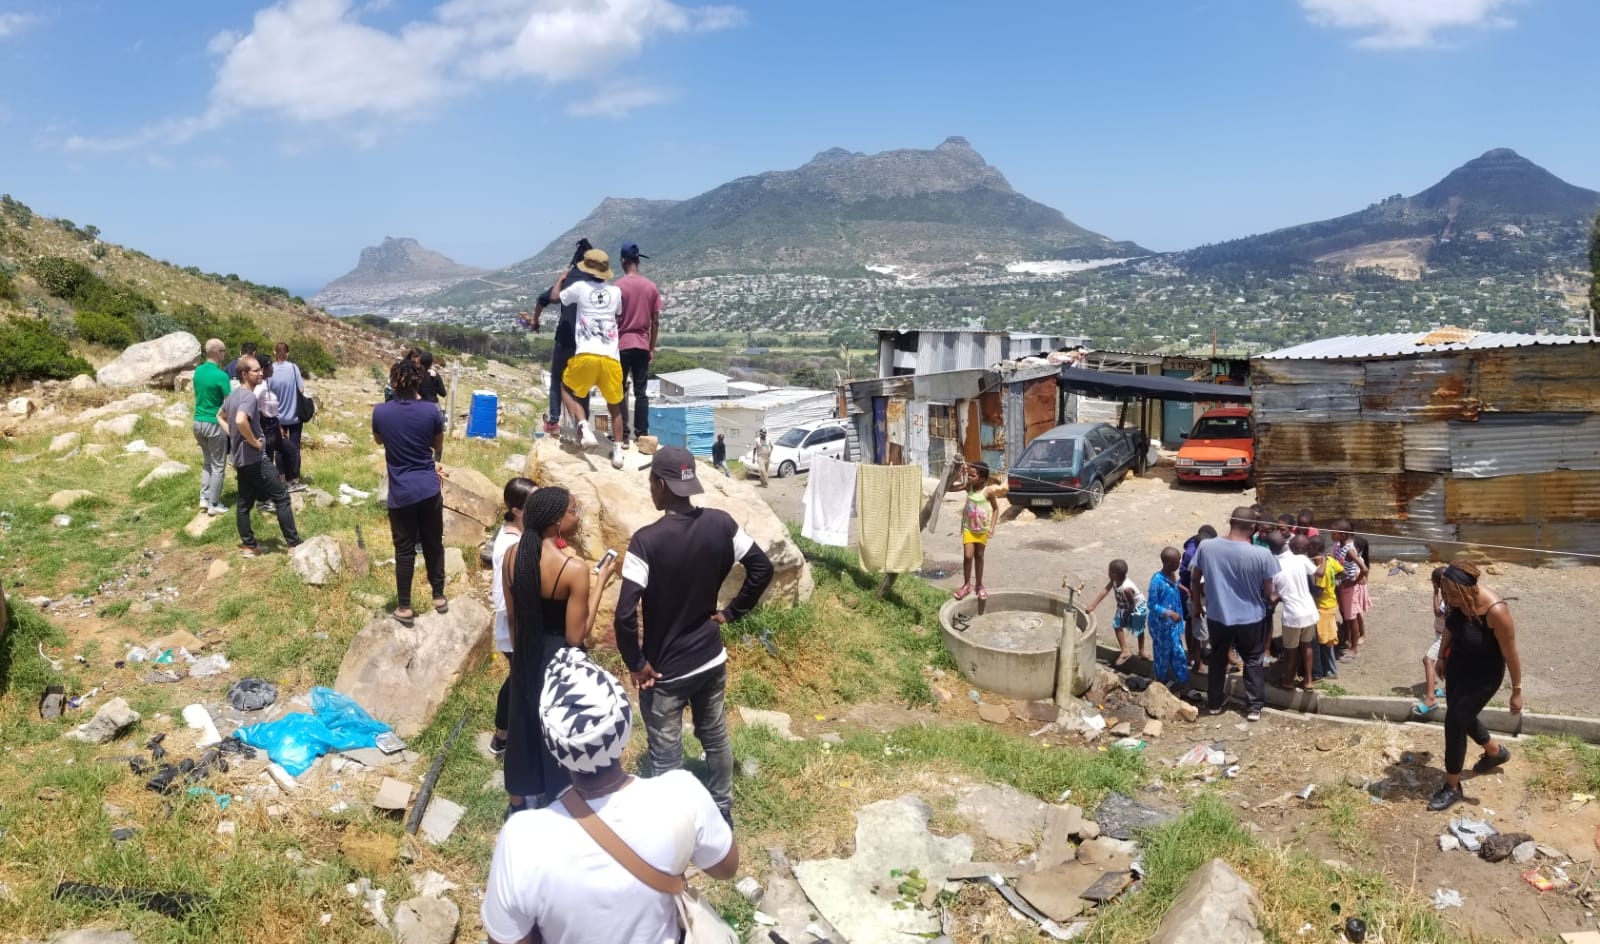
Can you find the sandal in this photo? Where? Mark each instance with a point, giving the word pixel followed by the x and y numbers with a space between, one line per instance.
pixel 1122 659
pixel 1422 708
pixel 1487 763
pixel 964 592
pixel 983 593
pixel 441 605
pixel 409 620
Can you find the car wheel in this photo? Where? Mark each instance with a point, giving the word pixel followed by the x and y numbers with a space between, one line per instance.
pixel 1097 493
pixel 786 469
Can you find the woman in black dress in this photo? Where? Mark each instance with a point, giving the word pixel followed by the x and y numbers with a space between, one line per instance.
pixel 552 598
pixel 1480 643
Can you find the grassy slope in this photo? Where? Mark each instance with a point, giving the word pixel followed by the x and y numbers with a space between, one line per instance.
pixel 274 879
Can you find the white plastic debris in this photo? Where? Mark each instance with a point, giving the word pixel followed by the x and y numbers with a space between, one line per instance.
pixel 282 778
pixel 214 664
pixel 345 488
pixel 196 716
pixel 1471 832
pixel 1446 898
pixel 761 917
pixel 1449 843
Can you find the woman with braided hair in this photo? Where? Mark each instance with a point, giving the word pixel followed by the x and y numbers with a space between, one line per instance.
pixel 411 433
pixel 1480 643
pixel 551 602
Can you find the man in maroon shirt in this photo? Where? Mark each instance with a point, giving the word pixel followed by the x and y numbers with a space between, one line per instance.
pixel 637 327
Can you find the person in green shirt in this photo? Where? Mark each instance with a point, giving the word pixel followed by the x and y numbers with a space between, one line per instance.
pixel 211 387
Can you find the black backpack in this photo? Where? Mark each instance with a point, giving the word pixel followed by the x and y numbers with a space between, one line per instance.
pixel 305 407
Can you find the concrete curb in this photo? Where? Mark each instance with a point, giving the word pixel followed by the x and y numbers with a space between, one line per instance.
pixel 1386 708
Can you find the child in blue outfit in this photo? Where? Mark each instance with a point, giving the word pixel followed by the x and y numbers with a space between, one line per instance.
pixel 1131 609
pixel 1165 605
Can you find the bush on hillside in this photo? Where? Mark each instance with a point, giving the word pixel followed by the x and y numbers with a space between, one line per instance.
pixel 30 350
pixel 156 324
pixel 313 358
pixel 116 300
pixel 98 327
pixel 8 286
pixel 60 277
pixel 15 210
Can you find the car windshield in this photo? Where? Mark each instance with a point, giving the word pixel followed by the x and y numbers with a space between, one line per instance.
pixel 1222 427
pixel 1049 454
pixel 793 437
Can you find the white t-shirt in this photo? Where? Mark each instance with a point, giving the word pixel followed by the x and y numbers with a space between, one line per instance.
pixel 503 542
pixel 1294 592
pixel 547 872
pixel 599 304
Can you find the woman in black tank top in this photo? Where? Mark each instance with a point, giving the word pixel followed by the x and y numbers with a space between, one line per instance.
pixel 1480 643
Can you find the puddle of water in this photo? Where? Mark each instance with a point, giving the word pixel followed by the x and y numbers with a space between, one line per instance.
pixel 1019 630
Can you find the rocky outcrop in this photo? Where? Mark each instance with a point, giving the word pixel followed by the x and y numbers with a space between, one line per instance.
pixel 317 561
pixel 402 675
pixel 152 363
pixel 1216 906
pixel 613 504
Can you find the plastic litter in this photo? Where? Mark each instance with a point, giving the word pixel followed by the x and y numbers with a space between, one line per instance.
pixel 164 657
pixel 210 665
pixel 1524 852
pixel 1471 832
pixel 1448 843
pixel 61 521
pixel 1196 755
pixel 171 904
pixel 252 694
pixel 297 740
pixel 1129 744
pixel 1537 879
pixel 55 664
pixel 196 716
pixel 1355 929
pixel 1305 792
pixel 1446 898
pixel 345 488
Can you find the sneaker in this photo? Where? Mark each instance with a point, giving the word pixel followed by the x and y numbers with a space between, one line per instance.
pixel 205 505
pixel 1220 709
pixel 249 550
pixel 1487 763
pixel 215 510
pixel 586 435
pixel 297 486
pixel 1254 714
pixel 616 455
pixel 1445 798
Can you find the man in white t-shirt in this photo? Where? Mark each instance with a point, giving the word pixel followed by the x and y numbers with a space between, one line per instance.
pixel 597 361
pixel 550 881
pixel 1297 610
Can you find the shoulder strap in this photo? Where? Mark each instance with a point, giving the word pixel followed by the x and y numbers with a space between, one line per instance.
pixel 618 850
pixel 559 571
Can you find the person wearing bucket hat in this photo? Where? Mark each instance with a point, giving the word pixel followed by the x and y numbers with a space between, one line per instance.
pixel 550 881
pixel 596 361
pixel 672 572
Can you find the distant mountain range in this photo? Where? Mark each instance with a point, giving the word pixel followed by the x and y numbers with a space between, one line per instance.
pixel 1499 195
pixel 392 270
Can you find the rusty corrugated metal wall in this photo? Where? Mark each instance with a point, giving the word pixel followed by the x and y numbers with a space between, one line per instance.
pixel 1493 446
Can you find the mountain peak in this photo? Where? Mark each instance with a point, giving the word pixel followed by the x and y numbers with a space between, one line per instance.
pixel 954 143
pixel 1501 154
pixel 397 267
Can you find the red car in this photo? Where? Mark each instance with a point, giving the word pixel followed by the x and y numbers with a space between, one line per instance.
pixel 1220 448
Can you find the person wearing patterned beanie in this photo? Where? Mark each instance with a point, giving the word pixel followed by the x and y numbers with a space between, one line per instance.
pixel 549 880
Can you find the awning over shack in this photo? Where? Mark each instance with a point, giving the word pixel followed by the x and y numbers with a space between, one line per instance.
pixel 1098 383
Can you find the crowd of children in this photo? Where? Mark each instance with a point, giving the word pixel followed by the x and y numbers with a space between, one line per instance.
pixel 1321 605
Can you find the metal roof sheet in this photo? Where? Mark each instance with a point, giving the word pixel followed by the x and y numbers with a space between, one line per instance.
pixel 1357 347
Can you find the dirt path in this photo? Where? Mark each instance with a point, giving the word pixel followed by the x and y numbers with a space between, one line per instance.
pixel 1140 516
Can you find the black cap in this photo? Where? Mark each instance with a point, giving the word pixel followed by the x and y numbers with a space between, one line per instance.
pixel 675 466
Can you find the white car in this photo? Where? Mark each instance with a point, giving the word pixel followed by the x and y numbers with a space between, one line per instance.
pixel 794 450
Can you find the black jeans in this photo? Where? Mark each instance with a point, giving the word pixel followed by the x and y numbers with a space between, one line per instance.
pixel 260 482
pixel 418 523
pixel 289 450
pixel 502 702
pixel 636 375
pixel 559 356
pixel 1469 695
pixel 662 706
pixel 1250 639
pixel 271 432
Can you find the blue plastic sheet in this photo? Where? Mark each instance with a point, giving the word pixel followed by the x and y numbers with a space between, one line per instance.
pixel 295 741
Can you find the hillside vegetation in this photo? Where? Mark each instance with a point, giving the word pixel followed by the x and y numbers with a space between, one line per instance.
pixel 69 300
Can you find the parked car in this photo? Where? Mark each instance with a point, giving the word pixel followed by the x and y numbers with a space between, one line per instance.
pixel 1072 465
pixel 1220 448
pixel 794 450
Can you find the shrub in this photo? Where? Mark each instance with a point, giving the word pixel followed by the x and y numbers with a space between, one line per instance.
pixel 60 277
pixel 8 287
pixel 98 327
pixel 16 210
pixel 156 324
pixel 312 357
pixel 29 350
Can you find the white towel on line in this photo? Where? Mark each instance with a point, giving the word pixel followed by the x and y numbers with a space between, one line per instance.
pixel 830 499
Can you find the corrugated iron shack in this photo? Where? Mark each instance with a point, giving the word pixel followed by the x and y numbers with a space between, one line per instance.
pixel 1437 440
pixel 945 350
pixel 927 419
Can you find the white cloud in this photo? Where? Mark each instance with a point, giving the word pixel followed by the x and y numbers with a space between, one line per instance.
pixel 12 24
pixel 616 101
pixel 1406 24
pixel 314 62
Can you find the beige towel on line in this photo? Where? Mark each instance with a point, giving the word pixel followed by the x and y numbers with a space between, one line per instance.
pixel 889 507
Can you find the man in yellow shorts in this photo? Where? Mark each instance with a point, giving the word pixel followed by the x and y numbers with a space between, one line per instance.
pixel 596 361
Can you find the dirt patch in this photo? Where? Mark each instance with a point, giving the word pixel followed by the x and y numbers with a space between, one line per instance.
pixel 1402 258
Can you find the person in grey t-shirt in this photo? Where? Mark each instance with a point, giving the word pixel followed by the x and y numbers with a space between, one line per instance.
pixel 258 480
pixel 1231 583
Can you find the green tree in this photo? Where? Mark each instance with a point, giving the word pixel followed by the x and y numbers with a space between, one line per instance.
pixel 30 350
pixel 60 277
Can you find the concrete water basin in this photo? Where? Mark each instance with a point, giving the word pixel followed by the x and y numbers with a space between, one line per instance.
pixel 1021 643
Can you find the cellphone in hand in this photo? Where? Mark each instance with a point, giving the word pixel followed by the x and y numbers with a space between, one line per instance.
pixel 609 556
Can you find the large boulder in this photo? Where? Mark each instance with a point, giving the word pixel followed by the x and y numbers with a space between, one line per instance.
pixel 317 561
pixel 152 363
pixel 402 676
pixel 1216 907
pixel 614 503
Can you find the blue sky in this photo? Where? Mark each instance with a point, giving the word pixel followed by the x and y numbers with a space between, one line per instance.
pixel 277 139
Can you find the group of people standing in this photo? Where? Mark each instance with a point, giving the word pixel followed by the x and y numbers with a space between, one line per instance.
pixel 605 339
pixel 1212 603
pixel 562 721
pixel 250 412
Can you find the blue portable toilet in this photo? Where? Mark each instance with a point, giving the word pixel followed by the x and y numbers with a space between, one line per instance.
pixel 483 419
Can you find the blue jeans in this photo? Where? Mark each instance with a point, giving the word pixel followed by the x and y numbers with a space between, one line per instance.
pixel 1325 661
pixel 662 706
